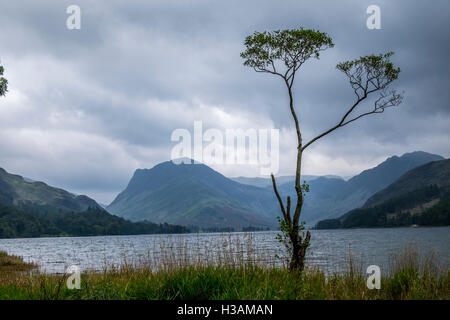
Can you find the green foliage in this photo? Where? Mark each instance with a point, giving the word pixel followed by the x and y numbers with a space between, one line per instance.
pixel 376 67
pixel 305 188
pixel 3 82
pixel 328 224
pixel 16 223
pixel 292 47
pixel 285 236
pixel 400 207
pixel 370 74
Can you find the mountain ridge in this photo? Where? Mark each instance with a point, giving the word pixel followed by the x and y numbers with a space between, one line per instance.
pixel 432 173
pixel 16 191
pixel 421 191
pixel 190 194
pixel 205 198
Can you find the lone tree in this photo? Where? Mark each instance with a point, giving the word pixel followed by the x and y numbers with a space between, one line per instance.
pixel 282 53
pixel 3 82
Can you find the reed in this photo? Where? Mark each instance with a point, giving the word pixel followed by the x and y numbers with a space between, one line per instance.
pixel 235 270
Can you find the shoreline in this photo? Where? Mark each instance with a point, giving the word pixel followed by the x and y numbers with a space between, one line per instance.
pixel 411 278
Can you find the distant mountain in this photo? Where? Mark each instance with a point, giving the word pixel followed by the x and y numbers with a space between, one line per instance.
pixel 194 195
pixel 331 198
pixel 420 196
pixel 433 173
pixel 16 191
pixel 267 182
pixel 34 209
pixel 318 200
pixel 424 207
pixel 370 181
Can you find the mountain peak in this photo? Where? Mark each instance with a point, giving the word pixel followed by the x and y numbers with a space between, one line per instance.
pixel 416 154
pixel 193 194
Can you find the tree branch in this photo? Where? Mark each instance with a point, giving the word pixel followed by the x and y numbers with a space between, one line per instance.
pixel 279 198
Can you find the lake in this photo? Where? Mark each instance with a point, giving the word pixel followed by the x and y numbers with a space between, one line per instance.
pixel 329 248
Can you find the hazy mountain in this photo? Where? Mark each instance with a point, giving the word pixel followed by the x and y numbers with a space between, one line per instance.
pixel 433 173
pixel 370 181
pixel 428 206
pixel 318 200
pixel 34 209
pixel 331 198
pixel 193 194
pixel 266 182
pixel 418 197
pixel 16 191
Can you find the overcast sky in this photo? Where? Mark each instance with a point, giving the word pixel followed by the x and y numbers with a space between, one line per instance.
pixel 87 107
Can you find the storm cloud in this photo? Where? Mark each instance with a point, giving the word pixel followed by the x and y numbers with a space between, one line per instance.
pixel 86 107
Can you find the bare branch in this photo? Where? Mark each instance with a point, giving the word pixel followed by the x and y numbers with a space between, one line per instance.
pixel 367 75
pixel 288 209
pixel 382 103
pixel 278 197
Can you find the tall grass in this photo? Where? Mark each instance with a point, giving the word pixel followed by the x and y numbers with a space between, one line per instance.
pixel 230 250
pixel 233 271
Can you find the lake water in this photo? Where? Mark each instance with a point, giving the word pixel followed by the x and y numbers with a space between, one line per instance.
pixel 329 248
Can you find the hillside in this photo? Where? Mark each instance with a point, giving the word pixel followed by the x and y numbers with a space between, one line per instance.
pixel 429 206
pixel 193 195
pixel 196 195
pixel 18 223
pixel 35 209
pixel 417 197
pixel 16 191
pixel 433 173
pixel 331 198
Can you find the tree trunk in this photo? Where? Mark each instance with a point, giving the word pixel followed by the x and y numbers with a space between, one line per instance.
pixel 299 245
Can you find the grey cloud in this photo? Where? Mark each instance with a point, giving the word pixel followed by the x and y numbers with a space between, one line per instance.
pixel 138 70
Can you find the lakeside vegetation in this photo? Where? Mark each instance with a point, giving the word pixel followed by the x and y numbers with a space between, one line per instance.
pixel 411 276
pixel 429 206
pixel 34 221
pixel 11 263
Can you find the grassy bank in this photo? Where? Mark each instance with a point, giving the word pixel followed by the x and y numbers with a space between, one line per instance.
pixel 13 264
pixel 410 277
